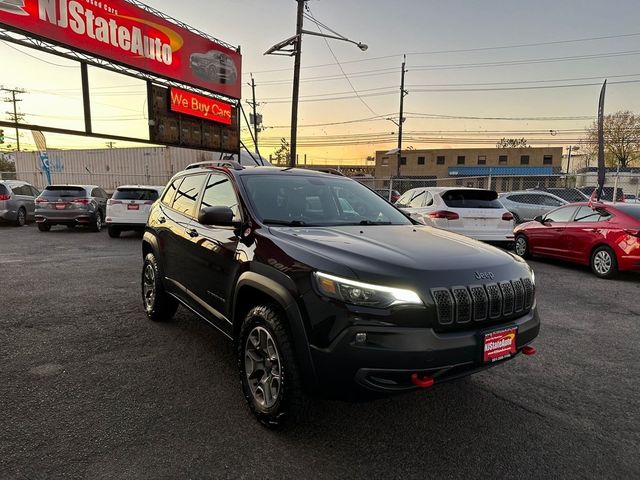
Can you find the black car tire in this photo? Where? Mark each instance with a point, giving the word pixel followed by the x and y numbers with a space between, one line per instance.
pixel 44 227
pixel 158 304
pixel 521 246
pixel 114 232
pixel 604 262
pixel 291 403
pixel 21 217
pixel 97 223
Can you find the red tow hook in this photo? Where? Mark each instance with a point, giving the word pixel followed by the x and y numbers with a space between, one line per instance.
pixel 422 382
pixel 529 350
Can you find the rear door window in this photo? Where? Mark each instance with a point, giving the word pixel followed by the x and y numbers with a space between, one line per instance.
pixel 471 199
pixel 135 194
pixel 418 199
pixel 188 194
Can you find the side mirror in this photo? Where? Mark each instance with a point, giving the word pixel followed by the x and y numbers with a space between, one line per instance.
pixel 538 219
pixel 219 216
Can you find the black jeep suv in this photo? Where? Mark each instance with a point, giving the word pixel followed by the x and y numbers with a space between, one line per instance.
pixel 327 289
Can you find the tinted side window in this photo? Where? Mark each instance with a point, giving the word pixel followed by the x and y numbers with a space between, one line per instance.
pixel 35 192
pixel 20 190
pixel 585 214
pixel 560 215
pixel 549 201
pixel 170 192
pixel 219 192
pixel 95 193
pixel 405 198
pixel 3 190
pixel 188 194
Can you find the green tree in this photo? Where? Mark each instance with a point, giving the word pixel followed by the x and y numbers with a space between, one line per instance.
pixel 6 165
pixel 282 154
pixel 512 143
pixel 621 138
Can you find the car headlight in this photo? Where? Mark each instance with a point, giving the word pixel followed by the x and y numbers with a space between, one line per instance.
pixel 364 294
pixel 533 277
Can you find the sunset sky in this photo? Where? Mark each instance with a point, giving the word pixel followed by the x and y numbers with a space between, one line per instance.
pixel 477 71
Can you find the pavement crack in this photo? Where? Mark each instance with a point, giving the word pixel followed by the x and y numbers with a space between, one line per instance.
pixel 512 402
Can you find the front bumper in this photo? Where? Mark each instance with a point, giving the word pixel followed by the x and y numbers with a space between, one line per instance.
pixel 390 355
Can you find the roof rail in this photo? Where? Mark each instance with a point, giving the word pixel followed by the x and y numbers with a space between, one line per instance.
pixel 216 163
pixel 332 171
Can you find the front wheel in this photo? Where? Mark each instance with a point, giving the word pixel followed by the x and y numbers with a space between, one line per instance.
pixel 158 304
pixel 44 227
pixel 522 247
pixel 271 378
pixel 604 263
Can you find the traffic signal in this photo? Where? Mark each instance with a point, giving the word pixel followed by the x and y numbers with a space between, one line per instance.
pixel 1 136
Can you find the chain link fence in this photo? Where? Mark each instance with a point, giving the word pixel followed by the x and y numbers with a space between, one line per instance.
pixel 575 187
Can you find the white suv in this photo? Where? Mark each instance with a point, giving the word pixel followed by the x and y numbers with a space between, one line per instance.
pixel 473 212
pixel 128 208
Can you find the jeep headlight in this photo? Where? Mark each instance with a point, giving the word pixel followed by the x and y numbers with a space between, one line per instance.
pixel 364 294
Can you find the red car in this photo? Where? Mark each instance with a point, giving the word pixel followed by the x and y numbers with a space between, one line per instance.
pixel 605 236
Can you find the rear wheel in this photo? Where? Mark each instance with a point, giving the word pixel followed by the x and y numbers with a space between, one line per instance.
pixel 604 263
pixel 522 247
pixel 114 232
pixel 271 378
pixel 21 218
pixel 158 304
pixel 43 227
pixel 97 224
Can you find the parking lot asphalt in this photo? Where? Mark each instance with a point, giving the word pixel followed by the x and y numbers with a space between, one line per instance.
pixel 92 389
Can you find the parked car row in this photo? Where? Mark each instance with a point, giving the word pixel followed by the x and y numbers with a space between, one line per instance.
pixel 77 205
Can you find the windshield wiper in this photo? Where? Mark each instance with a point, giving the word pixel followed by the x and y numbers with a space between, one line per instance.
pixel 371 222
pixel 286 223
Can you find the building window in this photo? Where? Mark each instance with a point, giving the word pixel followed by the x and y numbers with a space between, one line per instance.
pixel 385 161
pixel 524 159
pixel 482 159
pixel 420 160
pixel 440 160
pixel 460 159
pixel 547 160
pixel 403 160
pixel 503 159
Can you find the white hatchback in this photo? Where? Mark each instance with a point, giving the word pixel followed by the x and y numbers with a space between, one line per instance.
pixel 474 212
pixel 128 208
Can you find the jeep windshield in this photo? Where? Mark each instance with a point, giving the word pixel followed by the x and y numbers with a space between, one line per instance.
pixel 310 200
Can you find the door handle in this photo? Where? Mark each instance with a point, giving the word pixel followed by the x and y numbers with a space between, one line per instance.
pixel 192 233
pixel 162 220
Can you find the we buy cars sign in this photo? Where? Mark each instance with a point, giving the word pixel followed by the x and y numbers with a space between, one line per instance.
pixel 130 35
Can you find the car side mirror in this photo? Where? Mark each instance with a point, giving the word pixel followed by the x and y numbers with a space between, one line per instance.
pixel 538 219
pixel 218 216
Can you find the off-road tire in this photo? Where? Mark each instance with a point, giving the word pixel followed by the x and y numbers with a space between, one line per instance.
pixel 160 306
pixel 292 404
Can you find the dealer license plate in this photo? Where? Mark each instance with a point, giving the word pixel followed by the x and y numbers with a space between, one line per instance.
pixel 133 206
pixel 499 344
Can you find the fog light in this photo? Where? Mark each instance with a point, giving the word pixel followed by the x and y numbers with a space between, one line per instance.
pixel 361 338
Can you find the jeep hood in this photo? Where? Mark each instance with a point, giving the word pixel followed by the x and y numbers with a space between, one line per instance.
pixel 403 254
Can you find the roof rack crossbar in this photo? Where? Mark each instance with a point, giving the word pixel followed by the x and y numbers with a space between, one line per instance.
pixel 216 163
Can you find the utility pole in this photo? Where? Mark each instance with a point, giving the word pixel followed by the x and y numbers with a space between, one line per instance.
pixel 403 93
pixel 14 116
pixel 296 84
pixel 256 119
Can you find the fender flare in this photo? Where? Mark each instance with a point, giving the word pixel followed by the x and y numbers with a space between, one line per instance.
pixel 294 318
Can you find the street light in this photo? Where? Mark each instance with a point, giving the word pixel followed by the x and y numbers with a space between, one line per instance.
pixel 295 43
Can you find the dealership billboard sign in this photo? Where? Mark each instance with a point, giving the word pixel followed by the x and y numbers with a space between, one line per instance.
pixel 123 32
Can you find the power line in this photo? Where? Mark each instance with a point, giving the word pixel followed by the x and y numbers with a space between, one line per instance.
pixel 318 24
pixel 463 50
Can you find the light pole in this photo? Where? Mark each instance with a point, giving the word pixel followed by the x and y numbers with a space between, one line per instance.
pixel 296 43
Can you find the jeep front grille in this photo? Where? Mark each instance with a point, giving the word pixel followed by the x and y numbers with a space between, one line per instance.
pixel 460 305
